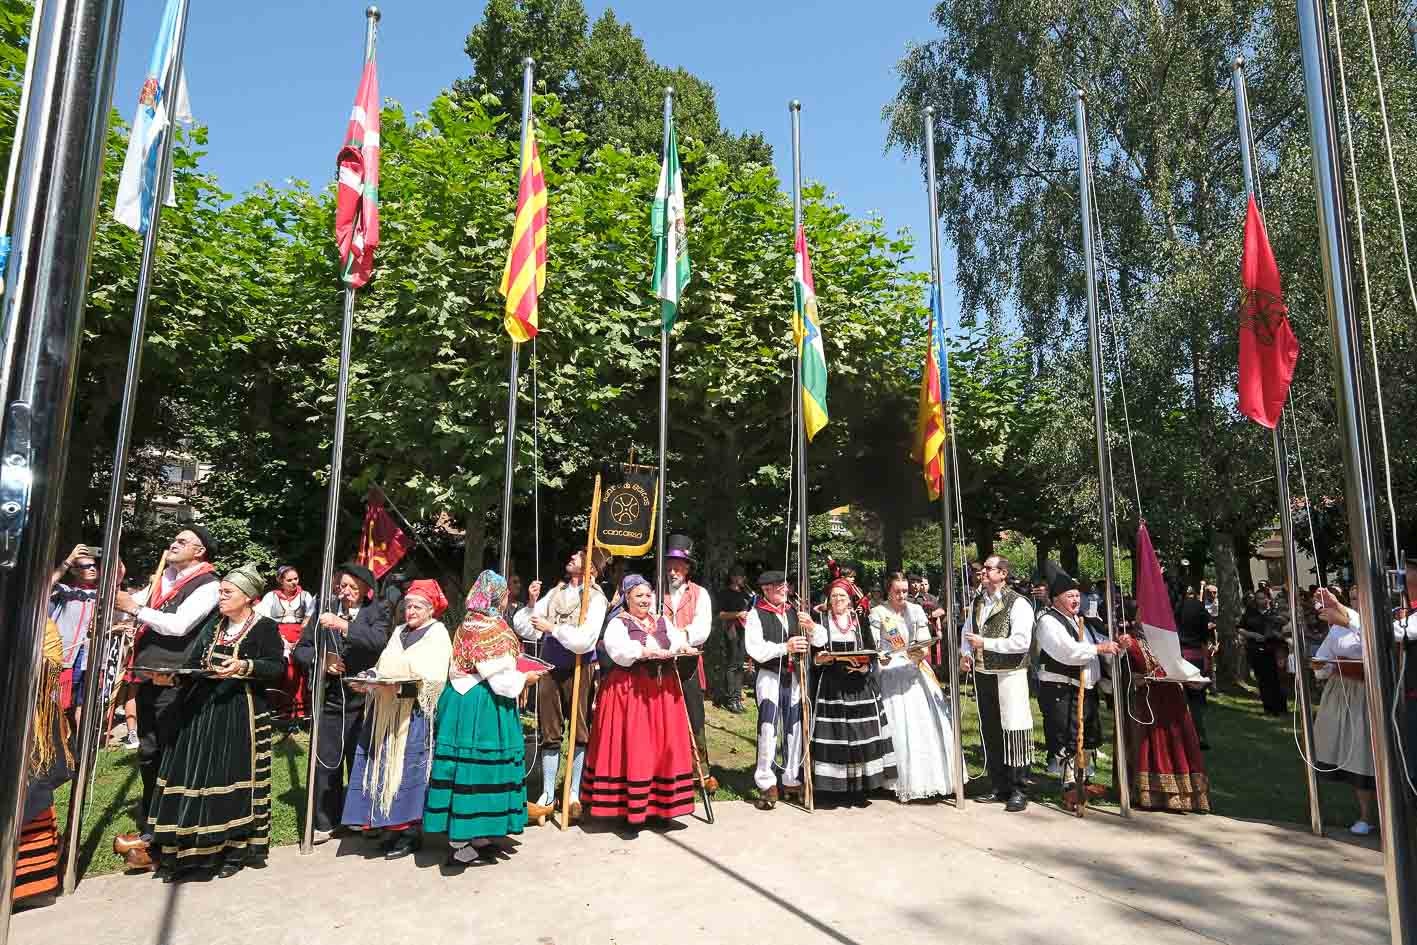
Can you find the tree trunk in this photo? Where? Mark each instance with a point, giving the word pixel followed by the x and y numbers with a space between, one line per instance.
pixel 1230 661
pixel 1044 549
pixel 893 543
pixel 1070 558
pixel 475 542
pixel 984 538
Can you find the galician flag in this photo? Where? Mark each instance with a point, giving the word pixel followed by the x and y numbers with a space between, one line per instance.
pixel 671 246
pixel 810 349
pixel 930 429
pixel 162 101
pixel 357 202
pixel 524 278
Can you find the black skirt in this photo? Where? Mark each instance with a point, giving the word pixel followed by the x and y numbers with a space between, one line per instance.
pixel 851 742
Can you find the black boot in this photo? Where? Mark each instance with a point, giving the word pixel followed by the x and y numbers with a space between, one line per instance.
pixel 405 844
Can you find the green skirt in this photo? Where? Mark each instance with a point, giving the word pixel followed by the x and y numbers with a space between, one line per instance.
pixel 476 789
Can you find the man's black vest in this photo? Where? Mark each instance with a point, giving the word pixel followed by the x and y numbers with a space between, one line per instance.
pixel 775 628
pixel 164 652
pixel 998 627
pixel 1070 627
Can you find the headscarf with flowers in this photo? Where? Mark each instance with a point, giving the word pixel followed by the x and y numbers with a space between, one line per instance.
pixel 484 635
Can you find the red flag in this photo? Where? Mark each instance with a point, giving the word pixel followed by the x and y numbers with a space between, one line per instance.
pixel 357 202
pixel 382 543
pixel 1155 615
pixel 1268 348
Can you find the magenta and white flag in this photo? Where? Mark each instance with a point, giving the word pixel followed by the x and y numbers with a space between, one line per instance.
pixel 1155 614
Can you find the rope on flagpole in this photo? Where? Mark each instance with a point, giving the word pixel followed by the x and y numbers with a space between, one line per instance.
pixel 535 460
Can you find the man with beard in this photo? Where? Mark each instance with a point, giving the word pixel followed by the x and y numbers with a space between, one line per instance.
pixel 1069 660
pixel 554 622
pixel 353 637
pixel 686 605
pixel 776 636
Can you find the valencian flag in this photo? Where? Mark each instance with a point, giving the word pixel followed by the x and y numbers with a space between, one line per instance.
pixel 671 246
pixel 357 204
pixel 1268 348
pixel 1155 614
pixel 162 101
pixel 382 543
pixel 930 430
pixel 810 348
pixel 524 279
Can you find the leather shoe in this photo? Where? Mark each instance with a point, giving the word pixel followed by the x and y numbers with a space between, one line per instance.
pixel 710 784
pixel 767 800
pixel 406 845
pixel 124 842
pixel 139 858
pixel 575 811
pixel 1016 802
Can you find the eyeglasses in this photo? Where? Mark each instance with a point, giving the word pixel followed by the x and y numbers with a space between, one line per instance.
pixel 187 541
pixel 85 565
pixel 992 567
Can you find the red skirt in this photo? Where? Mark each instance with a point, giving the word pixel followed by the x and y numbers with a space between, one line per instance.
pixel 639 763
pixel 1168 767
pixel 37 862
pixel 292 684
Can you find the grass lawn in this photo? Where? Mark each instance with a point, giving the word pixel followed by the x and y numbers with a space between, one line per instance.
pixel 1255 772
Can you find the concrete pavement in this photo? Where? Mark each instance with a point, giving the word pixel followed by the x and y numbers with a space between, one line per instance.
pixel 887 873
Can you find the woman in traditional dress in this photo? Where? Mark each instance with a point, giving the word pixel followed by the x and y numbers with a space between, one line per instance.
pixel 852 752
pixel 476 792
pixel 640 761
pixel 1168 767
pixel 290 606
pixel 915 707
pixel 388 785
pixel 211 807
pixel 50 765
pixel 1343 745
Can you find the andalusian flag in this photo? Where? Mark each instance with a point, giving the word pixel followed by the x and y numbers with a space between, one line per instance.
pixel 524 279
pixel 671 247
pixel 930 429
pixel 357 202
pixel 810 350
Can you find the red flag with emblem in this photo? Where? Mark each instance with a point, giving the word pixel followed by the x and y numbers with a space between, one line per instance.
pixel 357 202
pixel 382 543
pixel 1268 348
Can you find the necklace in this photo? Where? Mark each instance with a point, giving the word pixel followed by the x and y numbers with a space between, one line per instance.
pixel 227 640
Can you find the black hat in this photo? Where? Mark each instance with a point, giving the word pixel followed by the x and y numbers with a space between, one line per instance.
pixel 1061 583
pixel 679 548
pixel 771 577
pixel 205 537
pixel 357 571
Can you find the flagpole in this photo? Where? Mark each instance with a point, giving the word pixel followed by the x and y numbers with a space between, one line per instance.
pixel 947 542
pixel 91 722
pixel 73 51
pixel 327 566
pixel 804 584
pixel 1361 499
pixel 1121 776
pixel 1286 515
pixel 509 465
pixel 659 583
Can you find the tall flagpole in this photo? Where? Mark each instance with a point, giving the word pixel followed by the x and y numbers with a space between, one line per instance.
pixel 947 542
pixel 1286 515
pixel 659 582
pixel 1361 497
pixel 327 566
pixel 55 204
pixel 509 464
pixel 91 722
pixel 1121 775
pixel 799 474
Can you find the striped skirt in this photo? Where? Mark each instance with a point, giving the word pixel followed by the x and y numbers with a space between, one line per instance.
pixel 639 763
pixel 37 864
pixel 851 741
pixel 476 786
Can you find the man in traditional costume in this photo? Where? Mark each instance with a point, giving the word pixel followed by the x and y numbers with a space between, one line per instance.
pixel 50 765
pixel 476 793
pixel 997 637
pixel 352 638
pixel 1070 660
pixel 687 607
pixel 776 636
pixel 388 787
pixel 73 600
pixel 211 809
pixel 169 615
pixel 554 621
pixel 289 605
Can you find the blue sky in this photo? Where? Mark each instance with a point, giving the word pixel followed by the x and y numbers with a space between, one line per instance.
pixel 274 81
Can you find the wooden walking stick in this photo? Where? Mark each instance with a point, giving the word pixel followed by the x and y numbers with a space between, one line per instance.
pixel 1080 760
pixel 699 771
pixel 576 672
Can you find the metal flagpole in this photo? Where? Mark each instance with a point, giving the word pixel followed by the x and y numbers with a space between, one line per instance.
pixel 73 50
pixel 947 542
pixel 804 588
pixel 327 564
pixel 1361 499
pixel 91 723
pixel 1120 773
pixel 659 584
pixel 509 465
pixel 1286 516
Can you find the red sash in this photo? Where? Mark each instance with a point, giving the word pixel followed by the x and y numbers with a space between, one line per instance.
pixel 160 597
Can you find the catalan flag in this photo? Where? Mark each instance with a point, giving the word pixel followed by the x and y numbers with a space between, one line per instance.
pixel 811 351
pixel 524 279
pixel 930 429
pixel 357 202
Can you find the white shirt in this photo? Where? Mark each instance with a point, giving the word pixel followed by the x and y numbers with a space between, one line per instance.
pixel 701 625
pixel 575 638
pixel 627 652
pixel 275 607
pixel 763 653
pixel 1061 642
pixel 198 605
pixel 1020 638
pixel 501 674
pixel 837 634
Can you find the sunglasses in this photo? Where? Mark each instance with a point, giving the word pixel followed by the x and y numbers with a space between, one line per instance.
pixel 85 565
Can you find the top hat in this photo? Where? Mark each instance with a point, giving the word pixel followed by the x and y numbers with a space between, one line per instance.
pixel 679 547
